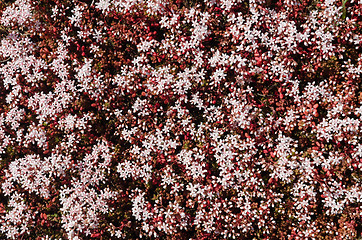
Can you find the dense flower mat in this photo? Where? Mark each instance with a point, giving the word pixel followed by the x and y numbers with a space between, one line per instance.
pixel 186 119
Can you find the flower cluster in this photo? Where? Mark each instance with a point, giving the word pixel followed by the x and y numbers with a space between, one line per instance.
pixel 197 119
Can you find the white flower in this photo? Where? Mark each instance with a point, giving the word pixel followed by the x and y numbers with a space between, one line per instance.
pixel 77 15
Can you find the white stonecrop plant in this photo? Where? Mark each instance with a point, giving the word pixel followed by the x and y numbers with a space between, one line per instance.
pixel 221 119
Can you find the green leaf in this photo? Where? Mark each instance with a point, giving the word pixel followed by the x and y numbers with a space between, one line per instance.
pixel 344 11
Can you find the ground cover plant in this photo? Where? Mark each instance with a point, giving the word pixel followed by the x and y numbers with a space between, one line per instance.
pixel 215 119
